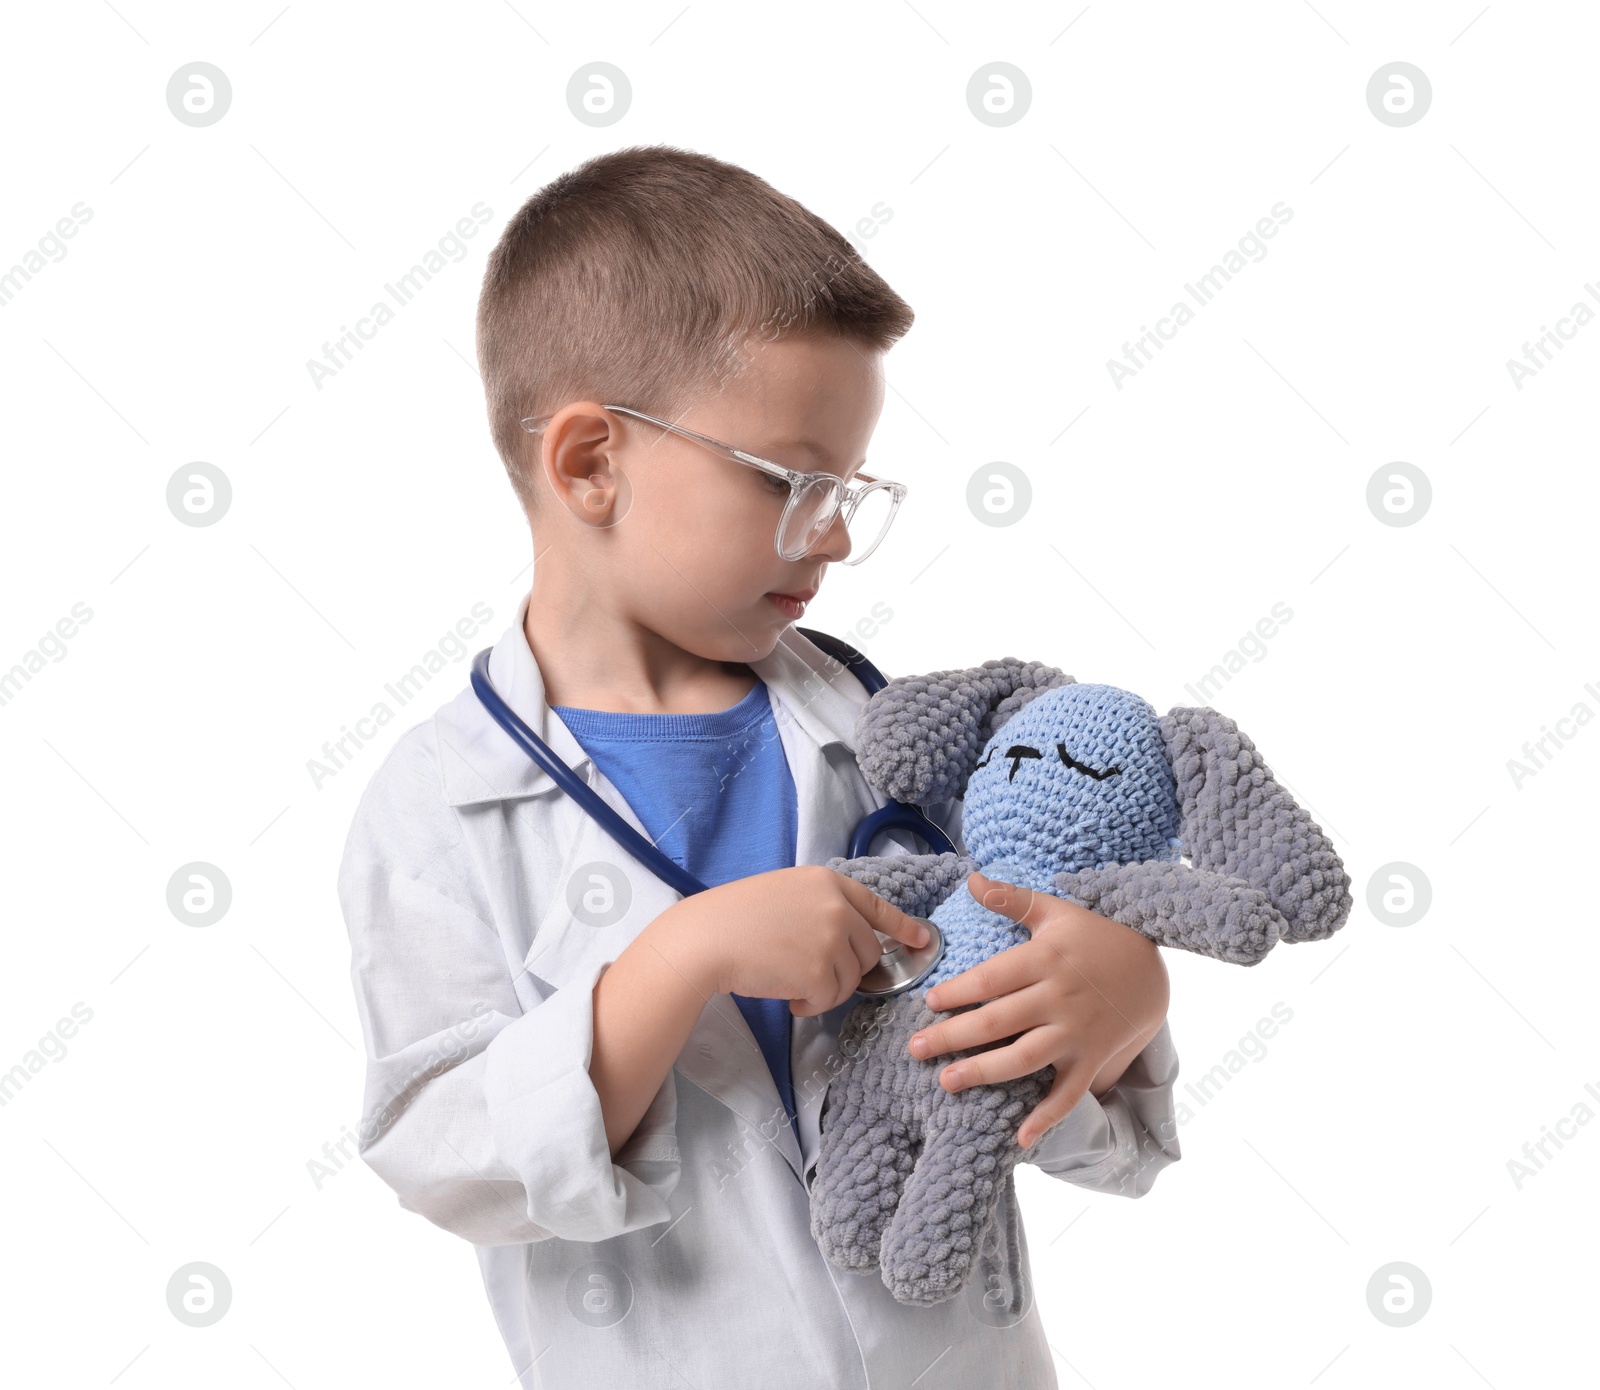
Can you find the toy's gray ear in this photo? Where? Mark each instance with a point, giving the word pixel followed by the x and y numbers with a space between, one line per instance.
pixel 919 738
pixel 1234 819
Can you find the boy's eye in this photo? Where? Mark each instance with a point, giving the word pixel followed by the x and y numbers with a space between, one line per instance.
pixel 772 483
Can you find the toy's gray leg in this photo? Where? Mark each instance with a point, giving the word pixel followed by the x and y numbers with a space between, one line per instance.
pixel 969 1149
pixel 871 1136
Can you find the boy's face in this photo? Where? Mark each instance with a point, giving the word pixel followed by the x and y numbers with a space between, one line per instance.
pixel 681 540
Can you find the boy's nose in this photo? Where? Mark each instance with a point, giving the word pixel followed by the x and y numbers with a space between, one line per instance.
pixel 835 541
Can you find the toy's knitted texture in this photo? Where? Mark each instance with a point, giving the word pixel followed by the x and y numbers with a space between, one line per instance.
pixel 915 1173
pixel 1175 905
pixel 1240 822
pixel 918 738
pixel 915 883
pixel 1076 779
pixel 1080 791
pixel 1264 870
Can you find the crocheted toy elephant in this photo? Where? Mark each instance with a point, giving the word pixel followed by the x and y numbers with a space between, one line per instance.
pixel 1076 790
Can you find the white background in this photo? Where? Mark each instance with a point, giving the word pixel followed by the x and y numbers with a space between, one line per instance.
pixel 1231 474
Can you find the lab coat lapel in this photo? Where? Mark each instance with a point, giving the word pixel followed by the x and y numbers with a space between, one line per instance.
pixel 722 1055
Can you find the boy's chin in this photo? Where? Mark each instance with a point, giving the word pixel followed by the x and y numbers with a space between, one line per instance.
pixel 755 641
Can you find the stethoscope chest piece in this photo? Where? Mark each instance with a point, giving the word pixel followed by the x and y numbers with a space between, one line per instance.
pixel 902 967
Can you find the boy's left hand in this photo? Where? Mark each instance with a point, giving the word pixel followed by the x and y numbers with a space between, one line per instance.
pixel 1086 994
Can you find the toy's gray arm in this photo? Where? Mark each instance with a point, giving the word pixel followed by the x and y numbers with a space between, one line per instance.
pixel 915 883
pixel 1175 904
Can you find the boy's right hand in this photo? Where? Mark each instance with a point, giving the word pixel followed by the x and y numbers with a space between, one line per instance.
pixel 803 934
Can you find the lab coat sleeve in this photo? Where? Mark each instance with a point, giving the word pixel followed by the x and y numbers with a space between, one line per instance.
pixel 479 1113
pixel 1119 1142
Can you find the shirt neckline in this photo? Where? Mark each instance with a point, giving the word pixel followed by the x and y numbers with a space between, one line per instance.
pixel 610 726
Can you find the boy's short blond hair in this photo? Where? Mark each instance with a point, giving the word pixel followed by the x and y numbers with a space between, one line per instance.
pixel 647 277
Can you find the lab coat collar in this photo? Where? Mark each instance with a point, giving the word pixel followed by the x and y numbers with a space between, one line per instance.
pixel 482 764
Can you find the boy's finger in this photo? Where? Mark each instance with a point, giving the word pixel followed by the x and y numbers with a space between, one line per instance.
pixel 810 1008
pixel 1010 970
pixel 1021 905
pixel 882 915
pixel 1005 1017
pixel 1020 1057
pixel 868 950
pixel 1066 1091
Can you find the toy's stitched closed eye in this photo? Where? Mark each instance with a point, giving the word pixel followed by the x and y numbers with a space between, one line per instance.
pixel 1076 766
pixel 1018 751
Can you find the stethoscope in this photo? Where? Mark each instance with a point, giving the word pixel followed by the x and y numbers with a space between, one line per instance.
pixel 901 968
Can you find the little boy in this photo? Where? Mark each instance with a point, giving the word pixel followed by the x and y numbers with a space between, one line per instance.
pixel 611 1088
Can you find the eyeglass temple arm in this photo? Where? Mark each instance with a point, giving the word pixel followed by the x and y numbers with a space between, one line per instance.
pixel 533 426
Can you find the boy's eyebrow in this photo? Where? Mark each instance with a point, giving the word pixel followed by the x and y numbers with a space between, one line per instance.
pixel 809 445
pixel 816 450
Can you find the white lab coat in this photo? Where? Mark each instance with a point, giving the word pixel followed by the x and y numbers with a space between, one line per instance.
pixel 687 1260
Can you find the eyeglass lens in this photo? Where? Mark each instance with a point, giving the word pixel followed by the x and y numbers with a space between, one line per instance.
pixel 815 503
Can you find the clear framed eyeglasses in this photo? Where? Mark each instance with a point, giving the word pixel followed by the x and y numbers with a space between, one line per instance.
pixel 868 504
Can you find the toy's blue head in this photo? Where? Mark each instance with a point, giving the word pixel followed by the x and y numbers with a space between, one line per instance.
pixel 1076 779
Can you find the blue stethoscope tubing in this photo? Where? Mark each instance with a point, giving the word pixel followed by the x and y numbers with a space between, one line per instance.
pixel 894 815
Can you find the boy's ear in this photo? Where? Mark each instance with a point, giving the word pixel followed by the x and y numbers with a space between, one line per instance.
pixel 919 738
pixel 575 459
pixel 1235 819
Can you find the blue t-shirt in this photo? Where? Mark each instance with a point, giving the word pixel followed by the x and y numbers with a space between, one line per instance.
pixel 715 794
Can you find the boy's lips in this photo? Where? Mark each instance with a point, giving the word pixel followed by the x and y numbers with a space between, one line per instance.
pixel 792 605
